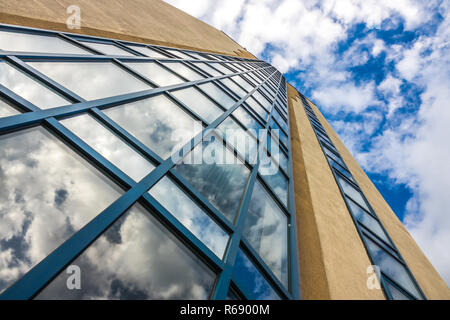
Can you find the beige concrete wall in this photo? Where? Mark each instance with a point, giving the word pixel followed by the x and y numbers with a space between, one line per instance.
pixel 426 275
pixel 333 260
pixel 146 21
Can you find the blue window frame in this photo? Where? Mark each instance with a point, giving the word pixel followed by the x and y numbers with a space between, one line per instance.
pixel 396 279
pixel 254 77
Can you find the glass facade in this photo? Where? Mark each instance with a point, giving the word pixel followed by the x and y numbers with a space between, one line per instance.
pixel 396 279
pixel 150 169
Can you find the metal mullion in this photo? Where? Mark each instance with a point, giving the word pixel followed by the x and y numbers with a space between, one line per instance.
pixel 99 161
pixel 70 109
pixel 226 275
pixel 175 226
pixel 78 43
pixel 369 233
pixel 215 214
pixel 223 282
pixel 264 269
pixel 53 85
pixel 123 47
pixel 395 284
pixel 135 73
pixel 293 256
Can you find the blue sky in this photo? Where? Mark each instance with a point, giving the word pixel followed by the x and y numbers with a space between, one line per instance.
pixel 379 70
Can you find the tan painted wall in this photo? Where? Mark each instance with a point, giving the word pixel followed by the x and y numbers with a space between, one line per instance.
pixel 333 261
pixel 146 21
pixel 426 275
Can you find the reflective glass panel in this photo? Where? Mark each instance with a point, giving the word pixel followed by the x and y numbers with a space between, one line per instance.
pixel 218 94
pixel 15 41
pixel 333 156
pixel 108 49
pixel 367 220
pixel 247 120
pixel 205 67
pixel 91 80
pixel 244 84
pixel 29 89
pixel 156 73
pixel 244 143
pixel 262 100
pixel 183 71
pixel 199 103
pixel 251 279
pixel 276 180
pixel 180 205
pixel 178 54
pixel 267 231
pixel 390 266
pixel 221 68
pixel 233 87
pixel 353 193
pixel 6 110
pixel 220 183
pixel 47 193
pixel 147 51
pixel 135 259
pixel 109 146
pixel 156 122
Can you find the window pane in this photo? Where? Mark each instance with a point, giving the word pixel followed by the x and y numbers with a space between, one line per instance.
pixel 244 143
pixel 29 89
pixel 157 122
pixel 15 41
pixel 91 80
pixel 109 146
pixel 353 193
pixel 220 183
pixel 247 120
pixel 396 294
pixel 262 100
pixel 244 84
pixel 251 279
pixel 266 231
pixel 183 71
pixel 108 49
pixel 47 193
pixel 178 54
pixel 391 267
pixel 197 55
pixel 276 181
pixel 233 87
pixel 205 67
pixel 221 68
pixel 332 155
pixel 6 110
pixel 199 103
pixel 147 51
pixel 136 258
pixel 156 73
pixel 178 203
pixel 367 220
pixel 218 94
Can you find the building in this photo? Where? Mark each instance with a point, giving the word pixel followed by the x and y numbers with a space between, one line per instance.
pixel 101 195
